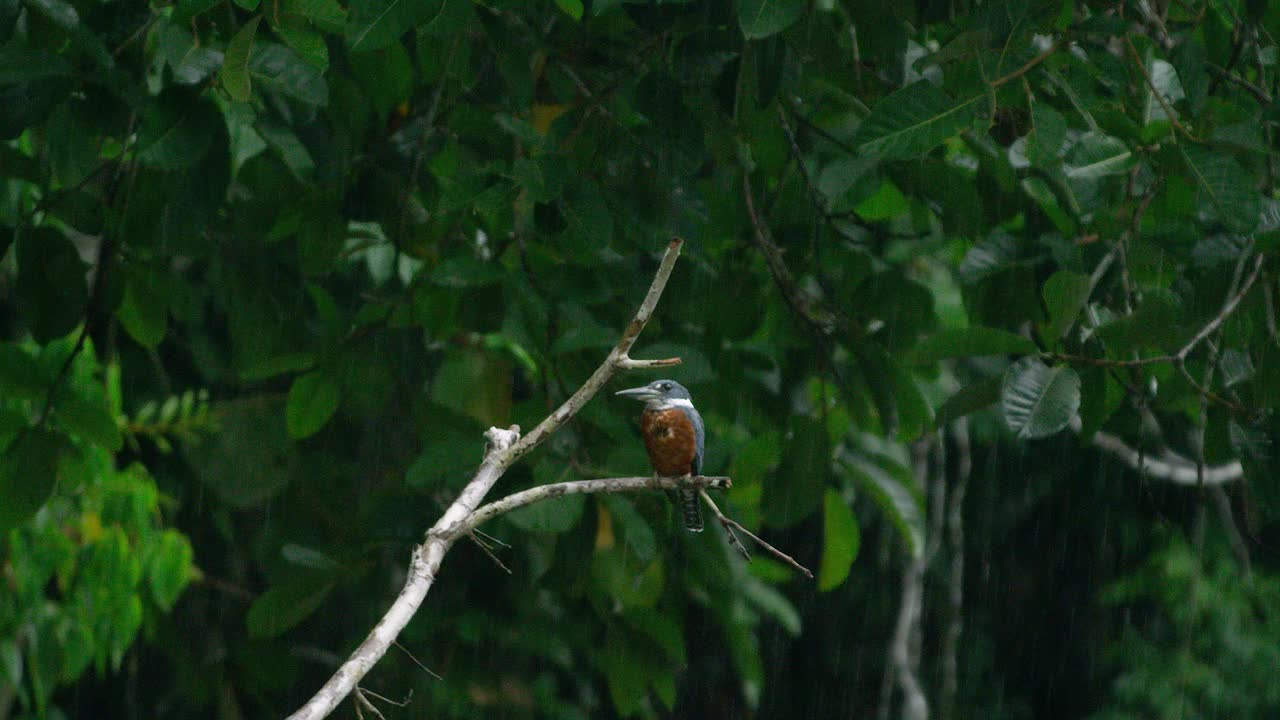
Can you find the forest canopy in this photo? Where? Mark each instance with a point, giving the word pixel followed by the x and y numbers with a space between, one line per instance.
pixel 977 301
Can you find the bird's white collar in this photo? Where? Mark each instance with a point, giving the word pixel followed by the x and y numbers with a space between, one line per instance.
pixel 668 404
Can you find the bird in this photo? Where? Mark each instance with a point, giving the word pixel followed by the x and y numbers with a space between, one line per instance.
pixel 674 438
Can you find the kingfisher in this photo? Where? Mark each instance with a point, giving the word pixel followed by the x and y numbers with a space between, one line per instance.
pixel 674 437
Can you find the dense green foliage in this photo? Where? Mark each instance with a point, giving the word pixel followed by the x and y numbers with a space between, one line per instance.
pixel 268 269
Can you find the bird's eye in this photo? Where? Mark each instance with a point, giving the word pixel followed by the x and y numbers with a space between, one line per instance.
pixel 666 387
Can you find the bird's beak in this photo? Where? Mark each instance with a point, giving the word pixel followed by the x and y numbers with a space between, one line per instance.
pixel 640 393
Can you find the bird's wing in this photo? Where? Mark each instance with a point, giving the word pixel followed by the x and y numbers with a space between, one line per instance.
pixel 700 437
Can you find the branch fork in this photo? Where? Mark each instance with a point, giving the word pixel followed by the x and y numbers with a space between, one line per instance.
pixel 502 449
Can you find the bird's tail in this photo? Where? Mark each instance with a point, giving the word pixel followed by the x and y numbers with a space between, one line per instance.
pixel 691 509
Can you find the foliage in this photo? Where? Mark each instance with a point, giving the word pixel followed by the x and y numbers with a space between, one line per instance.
pixel 370 231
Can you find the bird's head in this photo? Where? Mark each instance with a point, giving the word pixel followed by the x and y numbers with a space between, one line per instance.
pixel 659 394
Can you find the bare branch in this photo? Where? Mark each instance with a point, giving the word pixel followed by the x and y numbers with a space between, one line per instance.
pixel 730 525
pixel 579 487
pixel 627 363
pixel 1168 465
pixel 504 448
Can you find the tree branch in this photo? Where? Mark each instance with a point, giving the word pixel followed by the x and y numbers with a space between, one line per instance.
pixel 603 485
pixel 1168 466
pixel 504 448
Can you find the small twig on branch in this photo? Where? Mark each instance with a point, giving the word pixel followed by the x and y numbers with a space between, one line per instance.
pixel 728 529
pixel 801 302
pixel 731 524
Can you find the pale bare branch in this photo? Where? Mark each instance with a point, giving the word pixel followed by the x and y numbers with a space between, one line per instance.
pixel 504 447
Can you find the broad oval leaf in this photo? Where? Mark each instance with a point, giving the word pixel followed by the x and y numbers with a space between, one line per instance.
pixel 840 541
pixel 1225 188
pixel 1039 400
pixel 28 472
pixel 795 490
pixel 912 121
pixel 235 63
pixel 313 398
pixel 762 18
pixel 1096 155
pixel 969 399
pixel 1065 294
pixel 285 605
pixel 969 342
pixel 890 485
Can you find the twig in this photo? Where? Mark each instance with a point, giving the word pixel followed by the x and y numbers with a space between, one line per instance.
pixel 417 662
pixel 362 704
pixel 1228 307
pixel 730 525
pixel 489 552
pixel 1260 94
pixel 504 448
pixel 801 302
pixel 1030 64
pixel 1151 83
pixel 734 542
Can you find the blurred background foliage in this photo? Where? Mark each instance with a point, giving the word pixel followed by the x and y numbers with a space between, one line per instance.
pixel 954 270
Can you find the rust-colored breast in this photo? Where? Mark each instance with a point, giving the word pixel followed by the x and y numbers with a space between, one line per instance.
pixel 670 440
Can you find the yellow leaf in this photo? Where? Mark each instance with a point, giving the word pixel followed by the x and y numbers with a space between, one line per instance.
pixel 604 528
pixel 544 115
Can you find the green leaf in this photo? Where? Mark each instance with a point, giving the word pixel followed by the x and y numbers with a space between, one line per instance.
pixel 171 568
pixel 177 131
pixel 1038 400
pixel 313 399
pixel 28 474
pixel 1154 324
pixel 21 377
pixel 890 485
pixel 762 18
pixel 73 143
pixel 773 604
pixel 988 257
pixel 1048 132
pixel 58 12
pixel 89 418
pixel 1065 295
pixel 969 399
pixel 1225 188
pixel 1096 155
pixel 637 535
pixel 476 384
pixel 277 68
pixel 307 43
pixel 840 541
pixel 144 311
pixel 572 8
pixel 375 24
pixel 250 458
pixel 795 490
pixel 912 121
pixel 327 15
pixel 287 604
pixel 50 289
pixel 21 64
pixel 235 63
pixel 969 342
